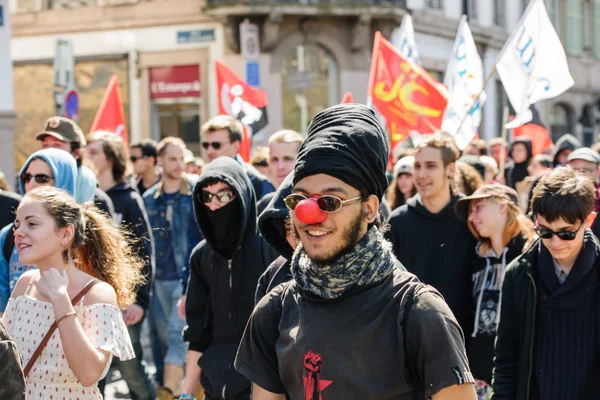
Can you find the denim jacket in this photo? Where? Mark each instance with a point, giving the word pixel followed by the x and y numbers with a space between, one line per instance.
pixel 184 228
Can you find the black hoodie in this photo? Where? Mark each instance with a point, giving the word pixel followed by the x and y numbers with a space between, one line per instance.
pixel 566 141
pixel 220 293
pixel 439 250
pixel 131 212
pixel 517 172
pixel 271 224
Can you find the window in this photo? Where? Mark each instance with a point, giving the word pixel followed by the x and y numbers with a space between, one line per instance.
pixel 435 4
pixel 310 79
pixel 574 27
pixel 500 13
pixel 472 10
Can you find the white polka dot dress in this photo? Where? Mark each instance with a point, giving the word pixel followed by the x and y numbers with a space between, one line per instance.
pixel 51 377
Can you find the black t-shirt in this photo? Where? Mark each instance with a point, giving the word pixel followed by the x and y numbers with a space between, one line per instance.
pixel 353 347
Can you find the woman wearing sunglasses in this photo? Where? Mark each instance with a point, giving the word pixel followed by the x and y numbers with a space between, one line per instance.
pixel 48 167
pixel 547 342
pixel 502 231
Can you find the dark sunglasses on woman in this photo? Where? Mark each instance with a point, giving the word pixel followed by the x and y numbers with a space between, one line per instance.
pixel 39 178
pixel 327 203
pixel 224 196
pixel 546 233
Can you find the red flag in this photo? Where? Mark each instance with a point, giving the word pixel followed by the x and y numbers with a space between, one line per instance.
pixel 110 116
pixel 348 98
pixel 243 102
pixel 534 131
pixel 407 96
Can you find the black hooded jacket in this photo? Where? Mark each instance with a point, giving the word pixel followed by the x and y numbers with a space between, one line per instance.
pixel 220 293
pixel 271 224
pixel 129 210
pixel 566 141
pixel 517 172
pixel 439 250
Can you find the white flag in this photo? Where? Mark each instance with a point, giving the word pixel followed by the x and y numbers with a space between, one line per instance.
pixel 403 38
pixel 532 64
pixel 464 78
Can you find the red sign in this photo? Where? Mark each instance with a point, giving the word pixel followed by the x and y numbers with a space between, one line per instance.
pixel 175 82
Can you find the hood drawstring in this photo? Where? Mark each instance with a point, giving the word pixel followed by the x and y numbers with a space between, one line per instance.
pixel 500 278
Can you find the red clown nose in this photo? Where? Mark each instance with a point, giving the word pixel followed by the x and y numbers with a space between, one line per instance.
pixel 309 212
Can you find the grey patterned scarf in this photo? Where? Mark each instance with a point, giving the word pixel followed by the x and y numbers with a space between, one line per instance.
pixel 369 262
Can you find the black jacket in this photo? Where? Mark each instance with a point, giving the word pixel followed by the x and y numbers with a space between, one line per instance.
pixel 271 224
pixel 11 371
pixel 104 203
pixel 220 294
pixel 513 362
pixel 9 202
pixel 517 172
pixel 439 250
pixel 130 212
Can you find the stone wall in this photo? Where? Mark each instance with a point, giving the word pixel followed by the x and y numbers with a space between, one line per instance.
pixel 34 103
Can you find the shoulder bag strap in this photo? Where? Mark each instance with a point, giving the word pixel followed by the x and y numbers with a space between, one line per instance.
pixel 53 327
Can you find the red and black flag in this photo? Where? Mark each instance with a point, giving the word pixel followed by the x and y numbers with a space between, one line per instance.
pixel 243 102
pixel 533 130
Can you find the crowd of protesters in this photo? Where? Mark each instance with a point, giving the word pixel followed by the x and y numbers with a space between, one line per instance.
pixel 314 271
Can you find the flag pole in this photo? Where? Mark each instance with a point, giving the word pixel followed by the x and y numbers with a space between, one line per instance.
pixel 505 114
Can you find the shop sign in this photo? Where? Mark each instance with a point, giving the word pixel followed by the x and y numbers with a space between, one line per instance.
pixel 196 36
pixel 175 82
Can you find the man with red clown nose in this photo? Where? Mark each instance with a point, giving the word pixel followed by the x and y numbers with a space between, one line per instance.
pixel 352 323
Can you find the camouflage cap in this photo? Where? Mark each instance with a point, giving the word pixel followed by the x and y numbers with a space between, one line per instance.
pixel 63 129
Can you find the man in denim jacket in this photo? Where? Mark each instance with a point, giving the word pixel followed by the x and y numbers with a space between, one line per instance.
pixel 170 211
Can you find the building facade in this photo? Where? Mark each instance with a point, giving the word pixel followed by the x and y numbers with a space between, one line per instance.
pixel 311 53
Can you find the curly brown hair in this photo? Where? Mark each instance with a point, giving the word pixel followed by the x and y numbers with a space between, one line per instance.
pixel 467 179
pixel 99 248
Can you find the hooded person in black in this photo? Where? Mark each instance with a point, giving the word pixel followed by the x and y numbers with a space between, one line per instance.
pixel 272 225
pixel 224 270
pixel 563 147
pixel 516 170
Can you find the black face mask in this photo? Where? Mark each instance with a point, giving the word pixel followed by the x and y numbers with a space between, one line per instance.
pixel 225 224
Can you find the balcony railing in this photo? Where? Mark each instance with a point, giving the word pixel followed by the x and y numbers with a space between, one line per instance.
pixel 399 3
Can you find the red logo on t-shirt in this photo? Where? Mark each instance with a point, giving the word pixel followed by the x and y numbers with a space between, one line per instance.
pixel 313 384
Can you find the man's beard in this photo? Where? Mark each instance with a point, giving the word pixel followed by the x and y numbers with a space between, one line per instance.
pixel 350 237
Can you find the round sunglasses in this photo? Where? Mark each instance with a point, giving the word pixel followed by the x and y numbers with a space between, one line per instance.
pixel 39 178
pixel 546 233
pixel 327 203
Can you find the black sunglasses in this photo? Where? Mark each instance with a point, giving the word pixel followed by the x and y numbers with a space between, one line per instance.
pixel 133 159
pixel 327 203
pixel 224 196
pixel 214 145
pixel 546 233
pixel 39 178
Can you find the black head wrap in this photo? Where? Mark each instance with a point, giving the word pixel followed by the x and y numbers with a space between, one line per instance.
pixel 347 142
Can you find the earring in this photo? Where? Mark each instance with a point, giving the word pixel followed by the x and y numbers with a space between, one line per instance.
pixel 65 256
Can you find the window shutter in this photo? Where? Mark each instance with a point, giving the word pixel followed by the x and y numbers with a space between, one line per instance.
pixel 596 28
pixel 574 27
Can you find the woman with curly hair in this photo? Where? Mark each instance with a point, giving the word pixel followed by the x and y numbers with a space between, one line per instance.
pixel 66 316
pixel 467 179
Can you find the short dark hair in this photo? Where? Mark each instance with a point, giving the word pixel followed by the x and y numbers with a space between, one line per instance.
pixel 147 147
pixel 114 149
pixel 224 122
pixel 564 194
